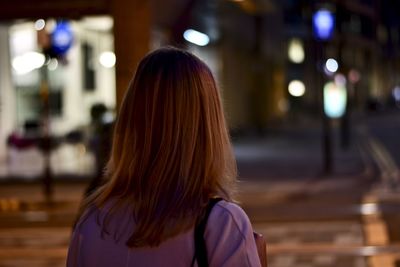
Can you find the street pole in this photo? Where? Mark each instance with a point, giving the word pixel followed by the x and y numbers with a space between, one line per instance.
pixel 45 138
pixel 327 148
pixel 323 26
pixel 345 119
pixel 345 124
pixel 327 143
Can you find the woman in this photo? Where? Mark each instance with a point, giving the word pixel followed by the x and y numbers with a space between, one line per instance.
pixel 170 155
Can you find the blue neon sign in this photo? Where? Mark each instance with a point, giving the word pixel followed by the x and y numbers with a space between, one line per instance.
pixel 323 24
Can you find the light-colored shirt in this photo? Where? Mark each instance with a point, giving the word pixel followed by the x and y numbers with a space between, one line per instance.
pixel 228 234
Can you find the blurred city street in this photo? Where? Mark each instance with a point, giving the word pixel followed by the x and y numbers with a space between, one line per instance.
pixel 311 93
pixel 347 218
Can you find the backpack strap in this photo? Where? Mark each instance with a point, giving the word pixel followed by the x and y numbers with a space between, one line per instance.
pixel 199 242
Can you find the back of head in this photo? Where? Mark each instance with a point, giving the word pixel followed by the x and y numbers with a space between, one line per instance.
pixel 171 150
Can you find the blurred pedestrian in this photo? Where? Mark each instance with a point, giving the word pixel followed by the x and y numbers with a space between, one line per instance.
pixel 170 155
pixel 99 143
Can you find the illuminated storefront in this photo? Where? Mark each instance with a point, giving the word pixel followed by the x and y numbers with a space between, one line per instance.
pixel 56 72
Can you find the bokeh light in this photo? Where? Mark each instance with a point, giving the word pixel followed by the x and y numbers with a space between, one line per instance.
pixel 40 24
pixel 107 59
pixel 28 62
pixel 354 76
pixel 296 88
pixel 340 79
pixel 323 22
pixel 296 51
pixel 335 99
pixel 53 64
pixel 331 65
pixel 396 93
pixel 196 37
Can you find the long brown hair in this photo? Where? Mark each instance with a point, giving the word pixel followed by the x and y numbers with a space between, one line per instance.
pixel 171 150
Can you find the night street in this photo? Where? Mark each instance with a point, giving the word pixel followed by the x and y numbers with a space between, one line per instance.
pixel 161 96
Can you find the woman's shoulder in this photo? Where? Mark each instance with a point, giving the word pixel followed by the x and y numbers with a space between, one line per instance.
pixel 230 214
pixel 229 237
pixel 95 213
pixel 231 208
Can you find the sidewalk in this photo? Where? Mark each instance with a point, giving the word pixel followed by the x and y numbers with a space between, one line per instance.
pixel 295 154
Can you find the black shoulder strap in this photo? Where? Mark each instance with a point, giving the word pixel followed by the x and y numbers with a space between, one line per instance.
pixel 199 242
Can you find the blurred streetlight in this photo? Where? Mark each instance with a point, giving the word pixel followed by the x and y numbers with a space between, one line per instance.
pixel 28 62
pixel 40 24
pixel 196 37
pixel 331 65
pixel 296 51
pixel 335 98
pixel 323 24
pixel 107 59
pixel 296 88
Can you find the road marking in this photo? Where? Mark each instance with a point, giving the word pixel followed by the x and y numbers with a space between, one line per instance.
pixel 389 171
pixel 33 253
pixel 349 250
